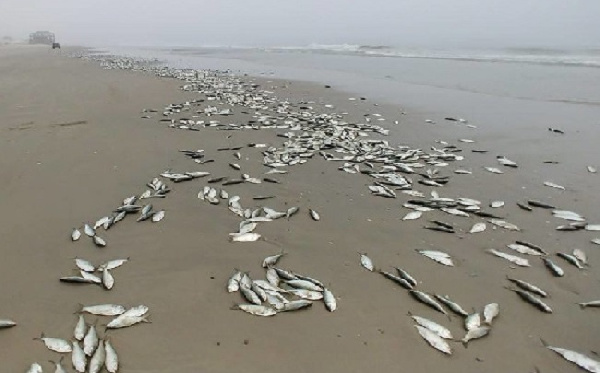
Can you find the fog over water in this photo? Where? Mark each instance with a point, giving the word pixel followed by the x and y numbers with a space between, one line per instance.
pixel 407 23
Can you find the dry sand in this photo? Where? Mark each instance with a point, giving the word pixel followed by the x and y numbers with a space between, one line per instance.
pixel 73 146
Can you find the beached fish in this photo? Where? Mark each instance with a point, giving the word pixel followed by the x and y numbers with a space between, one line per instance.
pixel 437 256
pixel 592 227
pixel 478 227
pixel 292 211
pixel 84 265
pixel 554 269
pixel 433 326
pixel 75 235
pixel 256 310
pixel 406 276
pixel 99 241
pixel 158 216
pixel 97 360
pixel 476 333
pixel 314 215
pixel 455 307
pixel 493 170
pixel 304 284
pixel 530 298
pixel 90 341
pixel 523 249
pixel 136 311
pixel 108 281
pixel 78 358
pixel 462 172
pixel 112 359
pixel 434 340
pixel 366 262
pixel 568 215
pixel 58 366
pixel 412 215
pixel 594 303
pixel 272 260
pixel 522 262
pixel 490 311
pixel 329 300
pixel 580 359
pixel 55 344
pixel 306 294
pixel 529 287
pixel 580 255
pixel 496 204
pixel 553 185
pixel 504 224
pixel 532 246
pixel 244 237
pixel 399 280
pixel 540 204
pixel 571 259
pixel 88 230
pixel 91 277
pixel 112 264
pixel 428 300
pixel 79 331
pixel 472 321
pixel 6 323
pixel 294 305
pixel 124 321
pixel 104 309
pixel 35 368
pixel 506 162
pixel 76 280
pixel 233 284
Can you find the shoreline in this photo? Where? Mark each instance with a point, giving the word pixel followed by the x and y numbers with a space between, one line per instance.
pixel 91 166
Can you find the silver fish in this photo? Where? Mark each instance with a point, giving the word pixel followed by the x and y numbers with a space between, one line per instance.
pixel 294 305
pixel 244 237
pixel 84 265
pixel 97 360
pixel 292 211
pixel 437 256
pixel 99 241
pixel 112 264
pixel 233 284
pixel 55 344
pixel 78 358
pixel 455 307
pixel 399 280
pixel 75 235
pixel 314 215
pixel 580 359
pixel 478 227
pixel 112 359
pixel 104 309
pixel 580 255
pixel 434 327
pixel 90 341
pixel 434 340
pixel 306 294
pixel 522 262
pixel 594 303
pixel 571 259
pixel 136 311
pixel 108 281
pixel 91 277
pixel 476 333
pixel 428 300
pixel 523 249
pixel 88 230
pixel 496 204
pixel 158 216
pixel 529 298
pixel 329 300
pixel 553 185
pixel 79 332
pixel 556 270
pixel 529 287
pixel 76 280
pixel 6 323
pixel 413 215
pixel 405 275
pixel 490 311
pixel 250 295
pixel 503 224
pixel 473 321
pixel 304 284
pixel 35 368
pixel 256 310
pixel 272 260
pixel 272 277
pixel 124 321
pixel 366 262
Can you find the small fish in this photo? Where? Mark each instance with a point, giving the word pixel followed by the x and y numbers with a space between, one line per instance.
pixel 434 340
pixel 571 259
pixel 91 277
pixel 58 366
pixel 366 262
pixel 532 246
pixel 124 321
pixel 5 323
pixel 329 300
pixel 522 262
pixel 455 307
pixel 314 215
pixel 256 310
pixel 75 235
pixel 108 281
pixel 529 287
pixel 90 341
pixel 406 276
pixel 294 305
pixel 76 280
pixel 592 227
pixel 472 321
pixel 580 255
pixel 594 303
pixel 553 185
pixel 112 359
pixel 35 368
pixel 235 166
pixel 462 172
pixel 97 360
pixel 304 284
pixel 233 284
pixel 112 264
pixel 592 169
pixel 493 170
pixel 412 215
pixel 433 326
pixel 530 298
pixel 271 180
pixel 399 280
pixel 523 249
pixel 291 211
pixel 158 216
pixel 88 230
pixel 540 204
pixel 78 358
pixel 272 260
pixel 99 241
pixel 136 311
pixel 55 344
pixel 79 332
pixel 437 256
pixel 84 265
pixel 478 227
pixel 490 311
pixel 428 300
pixel 306 294
pixel 556 270
pixel 503 224
pixel 244 237
pixel 524 206
pixel 579 359
pixel 476 333
pixel 103 309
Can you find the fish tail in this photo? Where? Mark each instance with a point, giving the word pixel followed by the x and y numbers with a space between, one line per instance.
pixel 544 342
pixel 234 307
pixel 581 305
pixel 80 305
pixel 465 343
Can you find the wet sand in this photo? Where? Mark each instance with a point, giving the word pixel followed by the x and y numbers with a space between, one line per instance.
pixel 74 145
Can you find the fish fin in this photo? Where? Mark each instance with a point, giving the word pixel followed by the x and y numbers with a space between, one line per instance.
pixel 145 319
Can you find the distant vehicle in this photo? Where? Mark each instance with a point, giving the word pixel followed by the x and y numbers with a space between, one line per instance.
pixel 55 45
pixel 42 37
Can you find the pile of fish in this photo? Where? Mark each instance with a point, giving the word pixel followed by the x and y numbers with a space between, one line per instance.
pixel 282 291
pixel 90 353
pixel 87 270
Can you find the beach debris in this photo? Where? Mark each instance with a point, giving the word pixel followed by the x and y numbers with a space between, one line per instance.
pixel 438 256
pixel 580 359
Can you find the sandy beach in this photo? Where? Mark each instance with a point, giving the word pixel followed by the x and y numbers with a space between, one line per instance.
pixel 74 145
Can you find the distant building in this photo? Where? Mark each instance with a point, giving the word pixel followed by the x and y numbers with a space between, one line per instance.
pixel 41 37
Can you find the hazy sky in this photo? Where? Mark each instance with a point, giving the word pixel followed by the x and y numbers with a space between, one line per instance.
pixel 432 23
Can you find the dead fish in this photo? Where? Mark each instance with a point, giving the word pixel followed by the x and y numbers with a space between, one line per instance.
pixel 440 228
pixel 58 365
pixel 476 333
pixel 88 230
pixel 76 280
pixel 524 206
pixel 304 284
pixel 592 169
pixel 571 259
pixel 478 227
pixel 434 340
pixel 216 180
pixel 244 237
pixel 90 341
pixel 35 368
pixel 257 310
pixel 112 264
pixel 259 198
pixel 314 215
pixel 455 307
pixel 294 305
pixel 433 326
pixel 504 224
pixel 232 181
pixel 235 166
pixel 103 309
pixel 462 172
pixel 79 332
pixel 5 323
pixel 366 262
pixel 78 358
pixel 124 321
pixel 596 241
pixel 136 311
pixel 523 249
pixel 158 216
pixel 108 281
pixel 522 262
pixel 490 311
pixel 400 281
pixel 532 246
pixel 329 300
pixel 540 204
pixel 496 204
pixel 91 277
pixel 554 269
pixel 580 255
pixel 428 300
pixel 529 287
pixel 530 298
pixel 97 360
pixel 406 276
pixel 99 241
pixel 272 277
pixel 493 170
pixel 579 359
pixel 271 180
pixel 592 227
pixel 553 185
pixel 594 303
pixel 506 162
pixel 84 265
pixel 437 256
pixel 306 294
pixel 272 260
pixel 292 211
pixel 412 215
pixel 472 321
pixel 112 359
pixel 75 235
